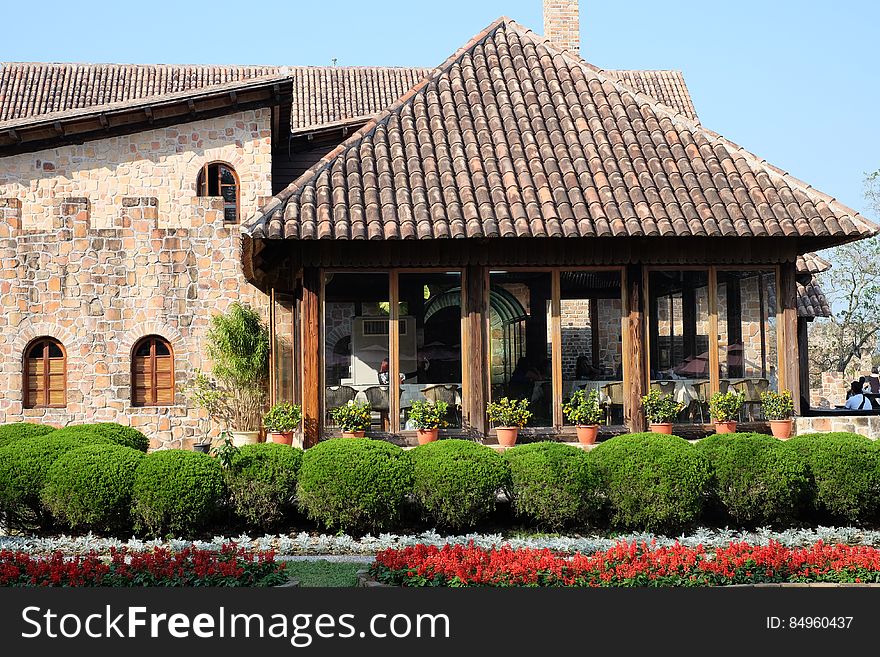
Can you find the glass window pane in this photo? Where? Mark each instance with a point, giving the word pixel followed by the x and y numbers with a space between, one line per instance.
pixel 55 350
pixel 520 341
pixel 592 355
pixel 213 181
pixel 162 348
pixel 36 351
pixel 747 335
pixel 679 337
pixel 226 176
pixel 283 357
pixel 143 348
pixel 356 343
pixel 230 214
pixel 228 193
pixel 430 342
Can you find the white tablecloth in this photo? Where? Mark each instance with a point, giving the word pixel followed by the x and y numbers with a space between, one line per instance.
pixel 410 392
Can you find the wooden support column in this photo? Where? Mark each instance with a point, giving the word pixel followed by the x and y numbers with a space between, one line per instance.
pixel 633 320
pixel 789 364
pixel 476 320
pixel 803 345
pixel 310 348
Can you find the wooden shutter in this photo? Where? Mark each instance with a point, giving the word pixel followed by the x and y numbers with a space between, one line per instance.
pixel 152 373
pixel 45 375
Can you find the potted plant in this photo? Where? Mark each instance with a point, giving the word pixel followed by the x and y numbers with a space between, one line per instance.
pixel 661 411
pixel 281 421
pixel 353 418
pixel 428 417
pixel 724 408
pixel 508 416
pixel 778 409
pixel 584 412
pixel 235 392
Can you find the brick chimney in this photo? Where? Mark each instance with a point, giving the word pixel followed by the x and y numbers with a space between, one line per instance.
pixel 561 24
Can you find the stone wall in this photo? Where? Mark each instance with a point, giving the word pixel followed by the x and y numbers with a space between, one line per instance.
pixel 162 164
pixel 866 425
pixel 831 392
pixel 99 290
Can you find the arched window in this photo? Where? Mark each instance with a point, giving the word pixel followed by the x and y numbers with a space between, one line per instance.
pixel 220 179
pixel 152 373
pixel 45 374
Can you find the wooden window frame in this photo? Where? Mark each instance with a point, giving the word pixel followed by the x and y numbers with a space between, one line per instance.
pixel 203 186
pixel 28 403
pixel 153 387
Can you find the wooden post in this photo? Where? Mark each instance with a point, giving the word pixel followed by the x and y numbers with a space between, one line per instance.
pixel 634 349
pixel 556 341
pixel 789 364
pixel 804 363
pixel 310 346
pixel 714 364
pixel 476 313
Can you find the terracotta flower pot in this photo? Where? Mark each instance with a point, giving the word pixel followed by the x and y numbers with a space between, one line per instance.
pixel 725 427
pixel 242 438
pixel 507 435
pixel 587 433
pixel 781 428
pixel 280 437
pixel 426 436
pixel 353 434
pixel 661 427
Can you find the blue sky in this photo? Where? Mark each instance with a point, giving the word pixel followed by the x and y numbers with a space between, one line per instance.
pixel 795 82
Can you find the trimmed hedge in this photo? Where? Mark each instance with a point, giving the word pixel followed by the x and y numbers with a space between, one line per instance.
pixel 177 491
pixel 354 484
pixel 262 482
pixel 652 482
pixel 90 487
pixel 17 430
pixel 24 465
pixel 845 474
pixel 756 479
pixel 456 482
pixel 554 485
pixel 118 434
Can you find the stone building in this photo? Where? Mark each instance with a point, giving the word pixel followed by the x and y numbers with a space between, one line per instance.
pixel 135 201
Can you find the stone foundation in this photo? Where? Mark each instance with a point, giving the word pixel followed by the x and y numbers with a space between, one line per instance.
pixel 865 425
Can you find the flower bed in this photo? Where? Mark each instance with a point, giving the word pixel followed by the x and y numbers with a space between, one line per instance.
pixel 627 565
pixel 230 566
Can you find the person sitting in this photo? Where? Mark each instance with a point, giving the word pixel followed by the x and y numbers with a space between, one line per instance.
pixel 857 400
pixel 874 382
pixel 584 369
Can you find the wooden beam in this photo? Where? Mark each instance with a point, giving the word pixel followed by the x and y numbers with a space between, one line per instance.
pixel 789 364
pixel 556 351
pixel 310 344
pixel 393 355
pixel 474 370
pixel 714 365
pixel 634 384
pixel 803 346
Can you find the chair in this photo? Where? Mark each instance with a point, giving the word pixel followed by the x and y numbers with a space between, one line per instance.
pixel 451 394
pixel 614 394
pixel 664 387
pixel 336 396
pixel 379 402
pixel 701 390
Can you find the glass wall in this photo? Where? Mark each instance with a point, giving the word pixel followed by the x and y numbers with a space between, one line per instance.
pixel 747 348
pixel 284 365
pixel 356 343
pixel 521 341
pixel 679 339
pixel 592 355
pixel 430 342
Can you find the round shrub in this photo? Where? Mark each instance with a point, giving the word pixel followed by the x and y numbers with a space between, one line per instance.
pixel 755 478
pixel 845 474
pixel 652 482
pixel 354 484
pixel 456 482
pixel 90 487
pixel 262 482
pixel 552 484
pixel 177 491
pixel 115 433
pixel 24 465
pixel 18 430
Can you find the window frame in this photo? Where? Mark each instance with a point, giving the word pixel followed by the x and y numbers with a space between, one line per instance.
pixel 153 387
pixel 203 187
pixel 45 358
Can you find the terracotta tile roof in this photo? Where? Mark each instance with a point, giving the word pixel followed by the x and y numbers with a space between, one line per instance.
pixel 811 300
pixel 812 263
pixel 512 137
pixel 666 86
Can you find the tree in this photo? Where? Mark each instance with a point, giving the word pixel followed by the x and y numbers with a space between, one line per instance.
pixel 852 287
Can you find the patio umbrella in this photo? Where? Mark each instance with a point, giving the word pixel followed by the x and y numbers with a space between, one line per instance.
pixel 693 366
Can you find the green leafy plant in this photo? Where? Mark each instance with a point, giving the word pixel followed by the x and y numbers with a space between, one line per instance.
pixel 725 406
pixel 283 417
pixel 777 405
pixel 353 416
pixel 583 408
pixel 262 483
pixel 354 484
pixel 225 452
pixel 17 430
pixel 426 414
pixel 456 482
pixel 553 485
pixel 508 412
pixel 660 408
pixel 118 434
pixel 235 393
